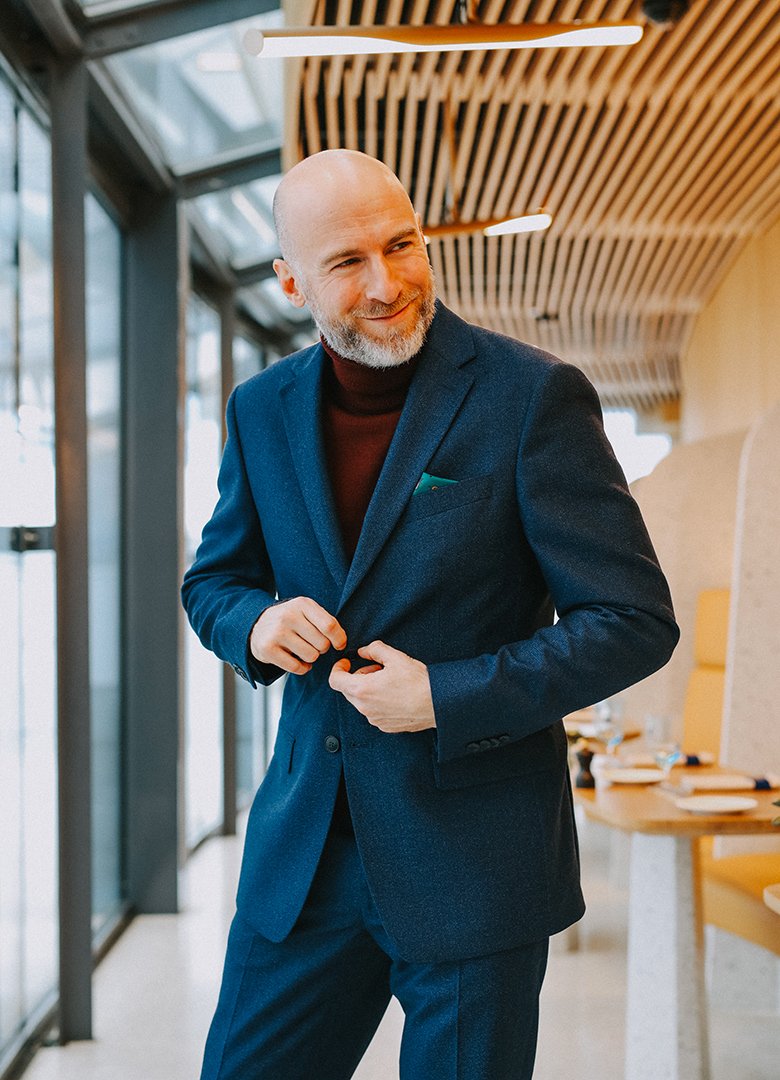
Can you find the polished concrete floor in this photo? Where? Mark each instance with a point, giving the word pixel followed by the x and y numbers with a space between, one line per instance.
pixel 155 991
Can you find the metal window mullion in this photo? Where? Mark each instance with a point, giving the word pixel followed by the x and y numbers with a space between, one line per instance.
pixel 154 262
pixel 69 170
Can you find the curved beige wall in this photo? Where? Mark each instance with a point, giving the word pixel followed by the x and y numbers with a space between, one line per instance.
pixel 731 368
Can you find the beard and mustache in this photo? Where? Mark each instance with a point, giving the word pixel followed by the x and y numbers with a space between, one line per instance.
pixel 397 345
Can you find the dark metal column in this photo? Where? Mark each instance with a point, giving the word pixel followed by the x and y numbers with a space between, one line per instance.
pixel 227 319
pixel 156 270
pixel 69 170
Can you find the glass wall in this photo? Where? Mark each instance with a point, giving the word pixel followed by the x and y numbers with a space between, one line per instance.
pixel 28 774
pixel 203 672
pixel 252 706
pixel 104 336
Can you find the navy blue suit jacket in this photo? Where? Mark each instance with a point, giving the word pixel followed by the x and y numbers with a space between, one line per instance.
pixel 466 832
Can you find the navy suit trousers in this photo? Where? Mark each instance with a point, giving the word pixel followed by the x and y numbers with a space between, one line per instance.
pixel 307 1007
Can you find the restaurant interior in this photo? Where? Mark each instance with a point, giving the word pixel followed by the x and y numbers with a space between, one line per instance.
pixel 599 178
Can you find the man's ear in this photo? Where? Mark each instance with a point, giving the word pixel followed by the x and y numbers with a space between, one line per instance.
pixel 288 282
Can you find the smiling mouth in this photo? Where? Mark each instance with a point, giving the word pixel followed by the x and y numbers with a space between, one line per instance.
pixel 392 315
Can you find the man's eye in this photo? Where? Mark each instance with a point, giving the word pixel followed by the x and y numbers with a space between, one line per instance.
pixel 346 262
pixel 401 245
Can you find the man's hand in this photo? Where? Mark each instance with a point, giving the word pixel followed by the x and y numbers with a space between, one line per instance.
pixel 295 633
pixel 393 693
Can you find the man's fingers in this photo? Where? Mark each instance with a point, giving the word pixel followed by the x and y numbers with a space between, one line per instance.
pixel 288 662
pixel 327 624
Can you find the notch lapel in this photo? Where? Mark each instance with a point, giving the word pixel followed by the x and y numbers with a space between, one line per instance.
pixel 301 408
pixel 435 395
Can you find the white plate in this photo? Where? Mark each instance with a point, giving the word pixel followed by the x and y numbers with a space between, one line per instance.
pixel 632 776
pixel 716 804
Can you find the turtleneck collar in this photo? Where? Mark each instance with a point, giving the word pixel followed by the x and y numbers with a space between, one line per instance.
pixel 364 390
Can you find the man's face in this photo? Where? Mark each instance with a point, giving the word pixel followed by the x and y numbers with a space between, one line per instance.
pixel 361 265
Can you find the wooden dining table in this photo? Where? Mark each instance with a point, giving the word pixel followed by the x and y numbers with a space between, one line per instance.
pixel 667 1032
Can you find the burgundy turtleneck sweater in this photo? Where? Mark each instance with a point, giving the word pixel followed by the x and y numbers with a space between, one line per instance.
pixel 361 406
pixel 360 410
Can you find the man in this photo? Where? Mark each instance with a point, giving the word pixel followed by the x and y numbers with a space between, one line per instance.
pixel 402 508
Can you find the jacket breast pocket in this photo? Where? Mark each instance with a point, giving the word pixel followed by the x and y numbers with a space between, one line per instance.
pixel 449 497
pixel 544 750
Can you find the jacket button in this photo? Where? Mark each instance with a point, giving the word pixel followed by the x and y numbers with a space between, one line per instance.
pixel 240 671
pixel 332 744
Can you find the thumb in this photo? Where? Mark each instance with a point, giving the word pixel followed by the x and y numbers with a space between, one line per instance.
pixel 337 672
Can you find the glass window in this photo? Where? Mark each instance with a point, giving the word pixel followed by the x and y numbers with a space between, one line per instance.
pixel 203 94
pixel 203 672
pixel 243 220
pixel 637 451
pixel 252 706
pixel 103 266
pixel 28 762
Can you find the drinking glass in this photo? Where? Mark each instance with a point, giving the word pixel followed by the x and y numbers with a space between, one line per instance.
pixel 608 724
pixel 664 747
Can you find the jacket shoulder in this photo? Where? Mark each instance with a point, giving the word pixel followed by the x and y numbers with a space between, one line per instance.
pixel 271 379
pixel 518 364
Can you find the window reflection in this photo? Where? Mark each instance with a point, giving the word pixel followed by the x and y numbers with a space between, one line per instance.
pixel 203 672
pixel 28 763
pixel 103 265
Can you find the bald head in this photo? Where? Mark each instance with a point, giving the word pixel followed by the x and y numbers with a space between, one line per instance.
pixel 322 186
pixel 354 252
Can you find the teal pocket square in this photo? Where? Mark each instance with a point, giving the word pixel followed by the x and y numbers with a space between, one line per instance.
pixel 431 483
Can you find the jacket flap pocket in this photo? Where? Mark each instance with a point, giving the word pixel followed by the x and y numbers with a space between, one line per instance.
pixel 545 749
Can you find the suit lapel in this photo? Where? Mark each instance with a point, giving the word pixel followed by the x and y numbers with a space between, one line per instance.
pixel 301 399
pixel 435 395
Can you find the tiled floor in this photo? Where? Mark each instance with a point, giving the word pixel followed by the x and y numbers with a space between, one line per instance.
pixel 155 991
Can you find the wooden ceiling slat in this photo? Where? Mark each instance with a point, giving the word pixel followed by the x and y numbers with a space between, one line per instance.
pixel 484 162
pixel 409 140
pixel 371 118
pixel 727 149
pixel 431 107
pixel 494 175
pixel 738 182
pixel 523 138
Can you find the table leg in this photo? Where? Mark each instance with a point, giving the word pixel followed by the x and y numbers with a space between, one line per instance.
pixel 666 1020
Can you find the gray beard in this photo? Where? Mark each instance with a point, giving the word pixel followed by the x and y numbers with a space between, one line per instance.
pixel 397 349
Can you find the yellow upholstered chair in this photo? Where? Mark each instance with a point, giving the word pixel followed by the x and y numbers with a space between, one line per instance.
pixel 732 887
pixel 703 706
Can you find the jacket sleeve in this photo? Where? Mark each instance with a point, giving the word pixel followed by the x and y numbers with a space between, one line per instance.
pixel 615 621
pixel 231 582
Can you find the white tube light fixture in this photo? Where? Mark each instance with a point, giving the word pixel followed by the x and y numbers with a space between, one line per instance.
pixel 471 37
pixel 497 227
pixel 526 223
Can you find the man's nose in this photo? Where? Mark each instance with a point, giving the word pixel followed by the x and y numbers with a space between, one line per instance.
pixel 382 284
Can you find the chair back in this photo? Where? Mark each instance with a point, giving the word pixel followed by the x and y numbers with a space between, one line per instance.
pixel 703 706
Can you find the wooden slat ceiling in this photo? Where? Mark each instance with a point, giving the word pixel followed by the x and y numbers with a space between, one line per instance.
pixel 657 162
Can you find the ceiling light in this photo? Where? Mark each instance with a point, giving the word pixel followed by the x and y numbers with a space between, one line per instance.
pixel 494 227
pixel 526 223
pixel 369 40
